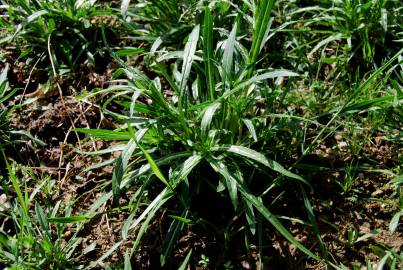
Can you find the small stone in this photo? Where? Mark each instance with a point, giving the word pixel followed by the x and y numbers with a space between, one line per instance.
pixel 4 204
pixel 342 144
pixel 246 265
pixel 338 137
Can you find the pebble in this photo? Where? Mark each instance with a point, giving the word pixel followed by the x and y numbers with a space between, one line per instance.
pixel 338 137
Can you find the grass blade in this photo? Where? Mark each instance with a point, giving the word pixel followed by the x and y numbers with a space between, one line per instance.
pixel 188 57
pixel 258 157
pixel 172 236
pixel 128 265
pixel 262 17
pixel 227 59
pixel 106 134
pixel 208 116
pixel 186 261
pixel 251 128
pixel 153 165
pixel 274 221
pixel 208 52
pixel 124 7
pixel 315 227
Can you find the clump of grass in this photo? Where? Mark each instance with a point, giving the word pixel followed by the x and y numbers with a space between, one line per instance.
pixel 207 135
pixel 60 35
pixel 27 238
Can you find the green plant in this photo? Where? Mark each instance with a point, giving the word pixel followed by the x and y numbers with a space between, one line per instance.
pixel 5 95
pixel 27 238
pixel 364 25
pixel 61 34
pixel 388 257
pixel 207 136
pixel 204 262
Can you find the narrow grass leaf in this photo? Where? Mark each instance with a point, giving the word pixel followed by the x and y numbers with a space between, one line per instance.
pixel 188 57
pixel 98 203
pixel 105 255
pixel 128 265
pixel 335 37
pixel 250 216
pixel 208 52
pixel 256 156
pixel 230 180
pixel 227 59
pixel 129 51
pixel 274 221
pixel 42 219
pixel 261 22
pixel 144 226
pixel 394 222
pixel 259 79
pixel 124 7
pixel 154 167
pixel 251 128
pixel 188 165
pixel 208 116
pixel 383 261
pixel 185 262
pixel 16 185
pixel 314 224
pixel 106 134
pixel 72 219
pixel 162 197
pixel 117 176
pixel 171 238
